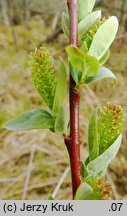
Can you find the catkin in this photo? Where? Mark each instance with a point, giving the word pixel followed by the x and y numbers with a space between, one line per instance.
pixel 87 37
pixel 44 75
pixel 110 125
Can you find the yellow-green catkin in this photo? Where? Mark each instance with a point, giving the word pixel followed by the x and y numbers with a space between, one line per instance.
pixel 101 188
pixel 87 37
pixel 44 75
pixel 110 123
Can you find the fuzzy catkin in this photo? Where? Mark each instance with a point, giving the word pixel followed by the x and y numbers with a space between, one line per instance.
pixel 101 188
pixel 44 75
pixel 110 125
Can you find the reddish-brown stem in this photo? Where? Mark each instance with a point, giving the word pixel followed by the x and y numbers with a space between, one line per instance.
pixel 72 142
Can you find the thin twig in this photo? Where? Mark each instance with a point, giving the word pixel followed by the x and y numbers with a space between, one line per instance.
pixel 11 180
pixel 28 175
pixel 60 182
pixel 47 183
pixel 55 20
pixel 72 142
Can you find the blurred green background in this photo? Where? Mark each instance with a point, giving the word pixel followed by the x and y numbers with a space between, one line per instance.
pixel 32 163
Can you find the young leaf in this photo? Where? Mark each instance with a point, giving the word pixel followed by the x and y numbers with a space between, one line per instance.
pixel 85 7
pixel 76 57
pixel 104 58
pixel 82 62
pixel 93 137
pixel 84 192
pixel 100 164
pixel 102 73
pixel 92 66
pixel 60 89
pixel 65 24
pixel 88 21
pixel 32 119
pixel 104 37
pixel 62 120
pixel 75 74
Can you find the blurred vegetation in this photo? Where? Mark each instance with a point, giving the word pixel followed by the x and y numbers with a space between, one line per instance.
pixel 32 163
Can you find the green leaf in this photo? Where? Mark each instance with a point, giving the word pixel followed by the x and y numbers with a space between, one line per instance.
pixel 62 120
pixel 104 57
pixel 88 21
pixel 60 89
pixel 87 161
pixel 102 73
pixel 85 7
pixel 104 37
pixel 83 168
pixel 84 192
pixel 82 62
pixel 93 138
pixel 32 119
pixel 84 47
pixel 92 66
pixel 65 24
pixel 76 57
pixel 100 164
pixel 75 74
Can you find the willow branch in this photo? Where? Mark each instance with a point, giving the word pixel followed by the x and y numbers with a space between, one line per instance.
pixel 72 142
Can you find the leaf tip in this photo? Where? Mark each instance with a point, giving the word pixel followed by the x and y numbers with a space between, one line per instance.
pixel 115 19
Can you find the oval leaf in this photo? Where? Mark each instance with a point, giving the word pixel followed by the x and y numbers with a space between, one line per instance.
pixel 88 21
pixel 104 37
pixel 85 7
pixel 76 57
pixel 60 89
pixel 32 119
pixel 84 192
pixel 102 73
pixel 82 62
pixel 100 164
